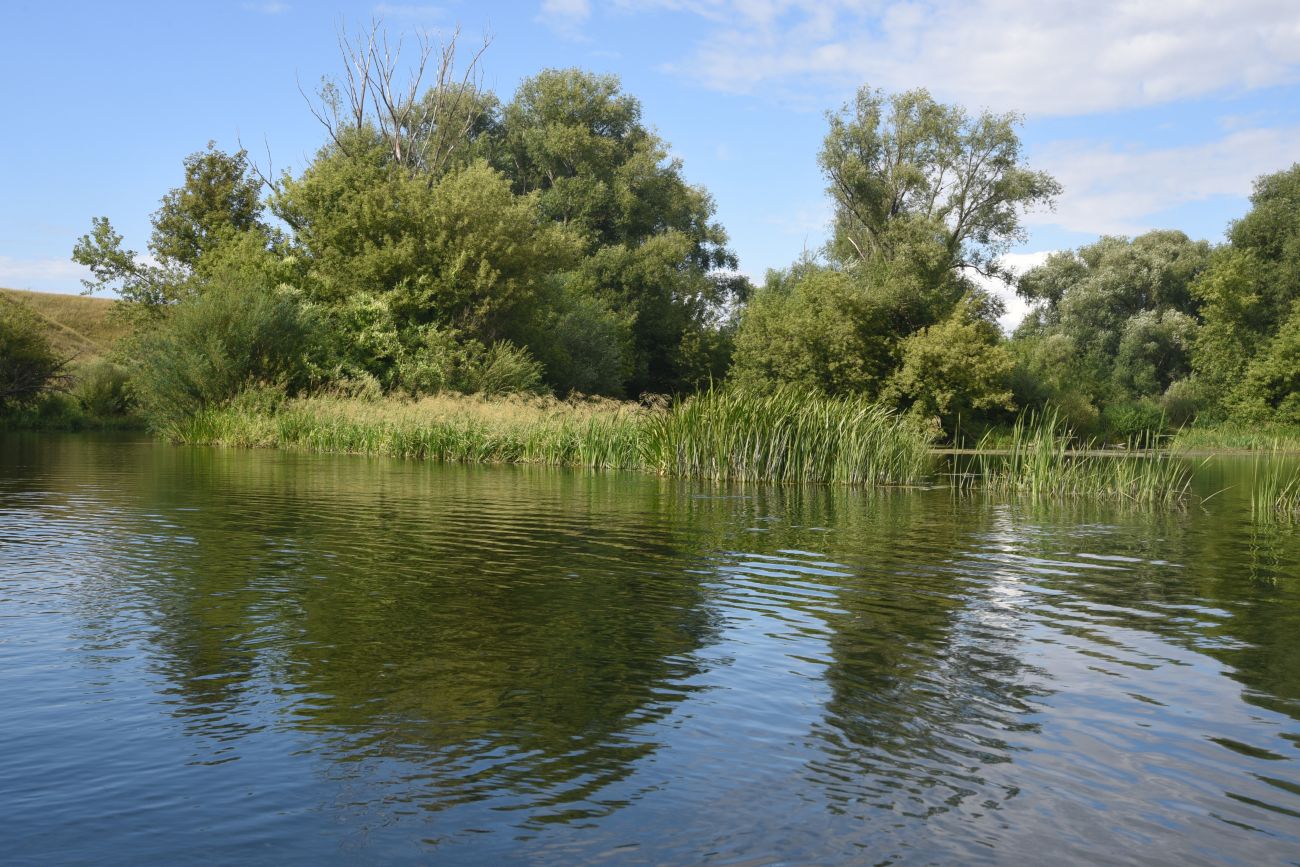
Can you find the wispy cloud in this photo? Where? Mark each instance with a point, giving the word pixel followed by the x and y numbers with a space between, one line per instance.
pixel 565 17
pixel 1123 191
pixel 1026 55
pixel 1016 307
pixel 43 275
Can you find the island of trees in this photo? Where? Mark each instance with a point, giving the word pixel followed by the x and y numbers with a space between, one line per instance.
pixel 445 241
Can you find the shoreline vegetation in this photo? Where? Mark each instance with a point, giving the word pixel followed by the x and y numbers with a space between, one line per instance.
pixel 446 289
pixel 719 435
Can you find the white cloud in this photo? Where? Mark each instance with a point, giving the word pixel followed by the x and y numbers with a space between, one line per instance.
pixel 42 275
pixel 1017 264
pixel 1026 55
pixel 565 17
pixel 1109 190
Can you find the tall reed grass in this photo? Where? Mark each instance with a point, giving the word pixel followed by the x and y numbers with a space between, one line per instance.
pixel 1275 489
pixel 718 434
pixel 1038 460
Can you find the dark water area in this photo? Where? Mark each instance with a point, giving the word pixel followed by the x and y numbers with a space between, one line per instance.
pixel 268 658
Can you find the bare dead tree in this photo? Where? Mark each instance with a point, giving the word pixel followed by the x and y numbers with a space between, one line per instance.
pixel 423 113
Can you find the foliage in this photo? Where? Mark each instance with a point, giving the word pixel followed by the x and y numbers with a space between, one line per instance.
pixel 905 163
pixel 208 350
pixel 29 366
pixel 103 389
pixel 953 369
pixel 1139 423
pixel 831 330
pixel 1271 388
pixel 220 197
pixel 652 249
pixel 1114 321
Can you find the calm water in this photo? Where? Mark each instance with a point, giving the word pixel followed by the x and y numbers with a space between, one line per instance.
pixel 266 658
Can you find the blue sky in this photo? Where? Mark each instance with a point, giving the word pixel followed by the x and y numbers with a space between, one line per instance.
pixel 1152 115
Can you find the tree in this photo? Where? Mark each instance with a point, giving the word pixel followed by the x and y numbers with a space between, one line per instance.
pixel 821 329
pixel 29 366
pixel 220 197
pixel 1271 232
pixel 218 201
pixel 653 252
pixel 955 368
pixel 903 168
pixel 1127 309
pixel 1271 388
pixel 465 252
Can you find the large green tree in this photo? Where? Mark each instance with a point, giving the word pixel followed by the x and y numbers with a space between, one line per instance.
pixel 906 171
pixel 217 202
pixel 922 193
pixel 1249 297
pixel 653 254
pixel 1122 310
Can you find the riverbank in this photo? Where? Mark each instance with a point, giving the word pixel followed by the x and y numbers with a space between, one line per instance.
pixel 718 435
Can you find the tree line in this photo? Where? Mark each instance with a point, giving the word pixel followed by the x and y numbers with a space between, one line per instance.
pixel 442 239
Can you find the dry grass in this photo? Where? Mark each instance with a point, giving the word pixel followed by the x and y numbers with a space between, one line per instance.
pixel 79 326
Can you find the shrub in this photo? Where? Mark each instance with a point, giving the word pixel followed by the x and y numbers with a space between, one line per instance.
pixel 29 366
pixel 503 368
pixel 103 389
pixel 1184 400
pixel 1136 422
pixel 210 348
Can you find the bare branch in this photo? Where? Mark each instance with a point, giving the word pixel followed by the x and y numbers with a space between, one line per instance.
pixel 422 115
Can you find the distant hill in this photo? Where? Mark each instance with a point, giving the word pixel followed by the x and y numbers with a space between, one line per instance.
pixel 79 326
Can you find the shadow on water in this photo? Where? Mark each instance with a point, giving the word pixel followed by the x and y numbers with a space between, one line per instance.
pixel 219 654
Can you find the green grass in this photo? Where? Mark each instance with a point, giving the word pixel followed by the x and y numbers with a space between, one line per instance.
pixel 1235 436
pixel 1036 460
pixel 79 327
pixel 723 435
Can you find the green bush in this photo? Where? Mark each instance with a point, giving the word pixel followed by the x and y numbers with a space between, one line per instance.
pixel 103 389
pixel 211 348
pixel 442 361
pixel 503 368
pixel 1184 400
pixel 29 366
pixel 1137 422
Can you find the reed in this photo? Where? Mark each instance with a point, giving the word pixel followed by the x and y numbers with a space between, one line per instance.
pixel 1038 460
pixel 787 436
pixel 1275 489
pixel 718 434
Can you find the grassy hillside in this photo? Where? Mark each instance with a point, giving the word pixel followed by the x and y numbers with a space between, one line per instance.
pixel 79 326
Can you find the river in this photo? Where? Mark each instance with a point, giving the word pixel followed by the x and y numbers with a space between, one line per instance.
pixel 236 656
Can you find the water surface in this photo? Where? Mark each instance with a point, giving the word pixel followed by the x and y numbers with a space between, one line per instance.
pixel 260 657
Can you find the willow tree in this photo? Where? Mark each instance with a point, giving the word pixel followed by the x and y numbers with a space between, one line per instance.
pixel 905 172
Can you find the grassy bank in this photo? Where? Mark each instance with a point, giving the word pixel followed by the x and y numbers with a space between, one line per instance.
pixel 728 436
pixel 79 327
pixel 1230 436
